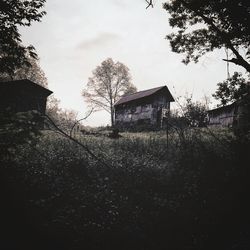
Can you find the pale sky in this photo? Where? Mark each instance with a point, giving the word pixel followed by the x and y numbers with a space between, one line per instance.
pixel 76 36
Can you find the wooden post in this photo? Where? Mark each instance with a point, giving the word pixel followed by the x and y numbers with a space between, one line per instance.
pixel 167 129
pixel 161 122
pixel 166 115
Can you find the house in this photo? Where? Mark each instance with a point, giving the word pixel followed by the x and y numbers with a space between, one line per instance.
pixel 235 115
pixel 224 116
pixel 23 95
pixel 148 108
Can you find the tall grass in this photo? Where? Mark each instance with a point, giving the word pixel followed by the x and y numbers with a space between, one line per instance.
pixel 190 192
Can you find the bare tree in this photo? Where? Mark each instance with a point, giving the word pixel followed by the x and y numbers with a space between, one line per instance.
pixel 109 82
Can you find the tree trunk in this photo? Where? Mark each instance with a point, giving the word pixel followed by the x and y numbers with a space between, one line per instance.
pixel 240 61
pixel 112 117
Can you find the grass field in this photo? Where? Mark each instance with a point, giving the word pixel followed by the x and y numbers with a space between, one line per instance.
pixel 139 191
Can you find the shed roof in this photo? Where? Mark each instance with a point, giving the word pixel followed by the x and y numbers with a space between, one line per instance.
pixel 144 93
pixel 226 108
pixel 26 85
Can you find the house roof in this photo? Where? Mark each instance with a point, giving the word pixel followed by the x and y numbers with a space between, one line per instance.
pixel 26 85
pixel 225 108
pixel 144 93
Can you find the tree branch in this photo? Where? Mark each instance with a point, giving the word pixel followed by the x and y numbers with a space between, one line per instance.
pixel 150 3
pixel 90 112
pixel 99 104
pixel 77 142
pixel 239 60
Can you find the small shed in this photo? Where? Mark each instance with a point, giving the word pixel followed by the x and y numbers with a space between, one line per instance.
pixel 235 115
pixel 23 95
pixel 224 116
pixel 148 108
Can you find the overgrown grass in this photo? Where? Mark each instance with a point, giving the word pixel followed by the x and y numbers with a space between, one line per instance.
pixel 190 192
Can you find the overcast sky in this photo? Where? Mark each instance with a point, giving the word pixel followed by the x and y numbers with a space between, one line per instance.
pixel 76 36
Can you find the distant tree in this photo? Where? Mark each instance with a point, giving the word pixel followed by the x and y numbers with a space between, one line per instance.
pixel 206 25
pixel 232 89
pixel 63 118
pixel 53 109
pixel 67 118
pixel 195 113
pixel 13 14
pixel 109 82
pixel 32 72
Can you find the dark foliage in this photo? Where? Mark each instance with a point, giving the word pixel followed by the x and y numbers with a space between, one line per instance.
pixel 195 113
pixel 15 13
pixel 215 24
pixel 17 129
pixel 193 194
pixel 32 72
pixel 233 89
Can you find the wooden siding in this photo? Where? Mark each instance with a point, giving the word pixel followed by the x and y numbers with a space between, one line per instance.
pixel 235 115
pixel 145 111
pixel 222 117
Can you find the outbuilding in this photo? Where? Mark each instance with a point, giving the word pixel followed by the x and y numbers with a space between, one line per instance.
pixel 235 115
pixel 144 108
pixel 23 95
pixel 224 116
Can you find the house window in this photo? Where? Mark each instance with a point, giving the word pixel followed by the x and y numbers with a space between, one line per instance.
pixel 133 109
pixel 145 107
pixel 138 109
